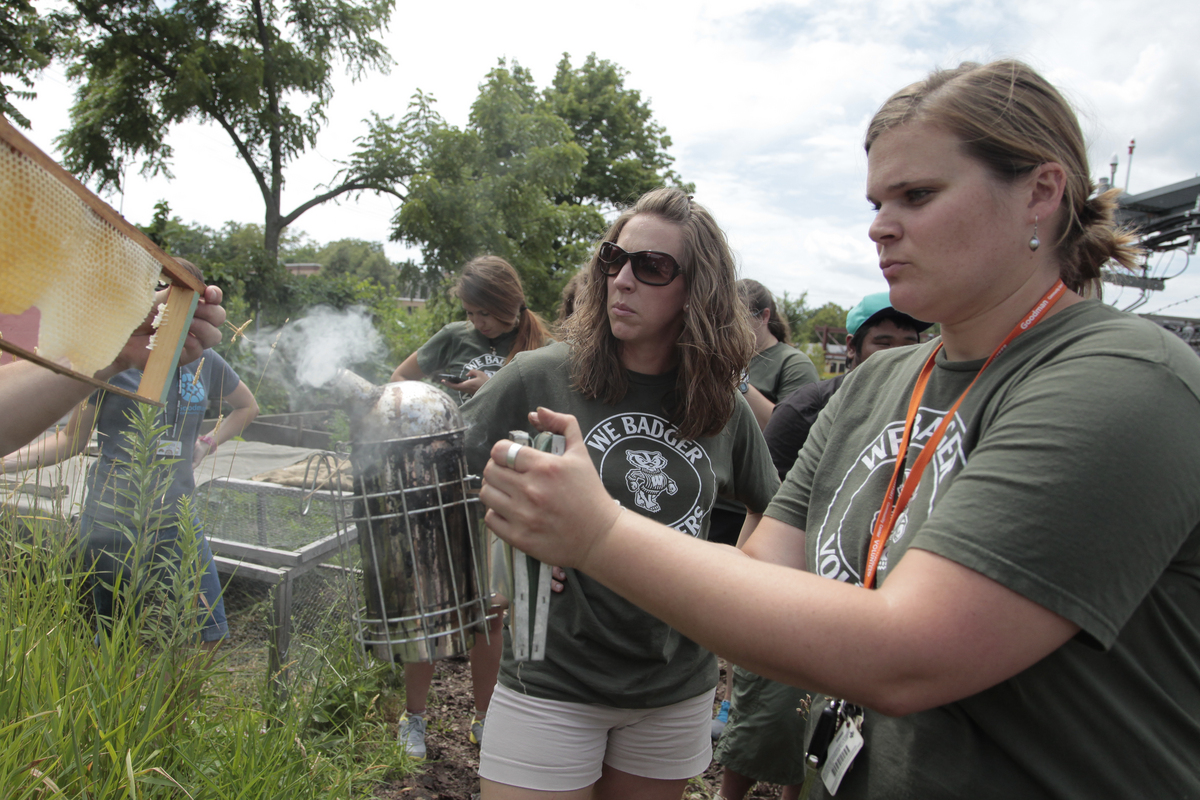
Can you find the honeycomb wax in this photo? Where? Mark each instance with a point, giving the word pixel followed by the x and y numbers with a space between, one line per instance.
pixel 92 284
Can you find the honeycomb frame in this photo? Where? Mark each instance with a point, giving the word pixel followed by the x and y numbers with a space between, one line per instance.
pixel 66 252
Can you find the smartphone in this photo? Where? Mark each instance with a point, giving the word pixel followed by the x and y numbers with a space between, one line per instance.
pixel 450 378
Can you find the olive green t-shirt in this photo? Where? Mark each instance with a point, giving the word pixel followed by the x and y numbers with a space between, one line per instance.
pixel 1071 475
pixel 601 648
pixel 776 372
pixel 458 348
pixel 780 370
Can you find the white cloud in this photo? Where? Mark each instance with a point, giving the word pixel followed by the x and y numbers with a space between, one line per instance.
pixel 766 103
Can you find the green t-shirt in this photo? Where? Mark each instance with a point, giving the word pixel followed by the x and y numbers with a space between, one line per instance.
pixel 458 348
pixel 601 648
pixel 776 372
pixel 780 370
pixel 1069 475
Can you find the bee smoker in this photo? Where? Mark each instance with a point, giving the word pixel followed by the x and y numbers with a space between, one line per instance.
pixel 424 571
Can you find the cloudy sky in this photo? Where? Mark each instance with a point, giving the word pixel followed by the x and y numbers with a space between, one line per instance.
pixel 766 104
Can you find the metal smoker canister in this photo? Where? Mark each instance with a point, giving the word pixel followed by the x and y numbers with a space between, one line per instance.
pixel 424 571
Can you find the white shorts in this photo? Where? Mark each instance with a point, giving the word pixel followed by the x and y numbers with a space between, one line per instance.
pixel 553 746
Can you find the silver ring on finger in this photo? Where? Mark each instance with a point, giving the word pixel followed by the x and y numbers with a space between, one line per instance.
pixel 511 459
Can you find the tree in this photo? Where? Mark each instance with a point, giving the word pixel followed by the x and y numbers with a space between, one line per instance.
pixel 27 44
pixel 532 175
pixel 797 313
pixel 626 149
pixel 248 67
pixel 829 315
pixel 490 188
pixel 803 319
pixel 357 259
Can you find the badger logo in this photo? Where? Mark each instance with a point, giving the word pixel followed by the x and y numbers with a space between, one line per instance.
pixel 647 480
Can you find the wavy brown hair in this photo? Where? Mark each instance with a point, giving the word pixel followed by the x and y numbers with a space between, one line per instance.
pixel 716 343
pixel 491 283
pixel 1012 120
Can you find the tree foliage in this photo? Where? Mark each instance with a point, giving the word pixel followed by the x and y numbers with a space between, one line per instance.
pixel 256 283
pixel 531 175
pixel 358 259
pixel 626 149
pixel 27 44
pixel 804 320
pixel 261 70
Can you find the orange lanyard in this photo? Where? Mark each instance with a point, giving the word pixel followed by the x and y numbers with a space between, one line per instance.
pixel 892 505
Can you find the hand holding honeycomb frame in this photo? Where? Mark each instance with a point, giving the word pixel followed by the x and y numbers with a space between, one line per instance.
pixel 89 273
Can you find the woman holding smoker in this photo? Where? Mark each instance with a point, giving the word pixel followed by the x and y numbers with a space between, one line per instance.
pixel 621 705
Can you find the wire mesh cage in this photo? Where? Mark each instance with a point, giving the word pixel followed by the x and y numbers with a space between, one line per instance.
pixel 298 545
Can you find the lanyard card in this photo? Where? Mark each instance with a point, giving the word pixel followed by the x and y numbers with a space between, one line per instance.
pixel 845 746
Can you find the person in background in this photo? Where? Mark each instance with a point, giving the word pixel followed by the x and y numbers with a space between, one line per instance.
pixel 463 356
pixel 764 740
pixel 775 372
pixel 987 556
pixel 620 706
pixel 33 398
pixel 871 326
pixel 108 508
pixel 570 292
pixel 778 368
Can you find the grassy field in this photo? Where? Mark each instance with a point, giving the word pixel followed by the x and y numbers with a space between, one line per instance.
pixel 139 711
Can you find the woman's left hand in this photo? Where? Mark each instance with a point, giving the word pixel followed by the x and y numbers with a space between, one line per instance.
pixel 552 507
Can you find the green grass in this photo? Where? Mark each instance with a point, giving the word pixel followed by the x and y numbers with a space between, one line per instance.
pixel 140 712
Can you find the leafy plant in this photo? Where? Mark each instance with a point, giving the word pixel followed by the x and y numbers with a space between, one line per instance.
pixel 344 697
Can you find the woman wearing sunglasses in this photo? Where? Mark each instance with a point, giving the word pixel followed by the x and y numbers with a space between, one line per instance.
pixel 1000 528
pixel 621 706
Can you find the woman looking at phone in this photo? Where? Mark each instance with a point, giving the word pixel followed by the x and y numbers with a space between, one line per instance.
pixel 463 355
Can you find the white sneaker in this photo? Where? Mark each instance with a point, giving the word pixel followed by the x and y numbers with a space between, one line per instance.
pixel 476 734
pixel 412 736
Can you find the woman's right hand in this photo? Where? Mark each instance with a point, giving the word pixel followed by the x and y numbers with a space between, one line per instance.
pixel 204 332
pixel 554 508
pixel 471 384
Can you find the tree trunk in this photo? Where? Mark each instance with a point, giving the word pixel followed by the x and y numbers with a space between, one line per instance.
pixel 272 231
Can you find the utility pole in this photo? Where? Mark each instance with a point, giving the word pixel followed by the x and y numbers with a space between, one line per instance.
pixel 1128 164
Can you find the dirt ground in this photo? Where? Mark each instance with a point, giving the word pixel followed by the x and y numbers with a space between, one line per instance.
pixel 449 771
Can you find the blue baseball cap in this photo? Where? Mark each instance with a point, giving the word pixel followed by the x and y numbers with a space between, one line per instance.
pixel 872 308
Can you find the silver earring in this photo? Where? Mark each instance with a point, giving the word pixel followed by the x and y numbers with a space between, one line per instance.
pixel 1035 243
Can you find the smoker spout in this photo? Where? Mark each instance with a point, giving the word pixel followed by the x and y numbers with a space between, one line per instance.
pixel 356 391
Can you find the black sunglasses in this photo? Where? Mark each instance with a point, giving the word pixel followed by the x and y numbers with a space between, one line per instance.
pixel 649 266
